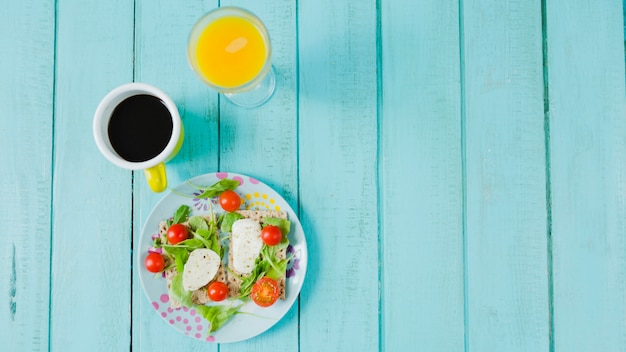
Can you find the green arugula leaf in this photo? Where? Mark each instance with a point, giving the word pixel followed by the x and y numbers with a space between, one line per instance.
pixel 198 222
pixel 215 189
pixel 189 244
pixel 217 315
pixel 180 254
pixel 205 233
pixel 209 240
pixel 157 242
pixel 278 267
pixel 215 247
pixel 278 270
pixel 258 272
pixel 212 223
pixel 227 221
pixel 284 242
pixel 205 243
pixel 181 214
pixel 178 292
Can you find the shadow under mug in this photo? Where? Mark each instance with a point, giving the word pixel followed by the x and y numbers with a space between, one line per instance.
pixel 137 126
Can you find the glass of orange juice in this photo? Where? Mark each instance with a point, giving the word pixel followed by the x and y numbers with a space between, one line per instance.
pixel 229 49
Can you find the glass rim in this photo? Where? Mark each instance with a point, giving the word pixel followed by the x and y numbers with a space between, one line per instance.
pixel 211 16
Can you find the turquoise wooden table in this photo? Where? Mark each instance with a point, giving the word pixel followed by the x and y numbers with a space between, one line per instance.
pixel 458 167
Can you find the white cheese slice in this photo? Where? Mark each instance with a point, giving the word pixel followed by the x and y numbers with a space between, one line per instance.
pixel 201 267
pixel 246 244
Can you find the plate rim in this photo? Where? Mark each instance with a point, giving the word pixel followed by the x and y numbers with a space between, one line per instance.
pixel 303 262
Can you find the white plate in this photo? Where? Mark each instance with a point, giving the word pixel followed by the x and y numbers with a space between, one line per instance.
pixel 256 195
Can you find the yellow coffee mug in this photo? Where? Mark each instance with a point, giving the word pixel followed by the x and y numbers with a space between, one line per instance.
pixel 137 127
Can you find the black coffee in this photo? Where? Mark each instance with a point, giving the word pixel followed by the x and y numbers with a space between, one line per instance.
pixel 140 128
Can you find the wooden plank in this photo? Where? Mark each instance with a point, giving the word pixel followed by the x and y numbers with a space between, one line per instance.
pixel 338 179
pixel 91 222
pixel 162 29
pixel 26 91
pixel 208 149
pixel 506 241
pixel 262 143
pixel 422 200
pixel 587 153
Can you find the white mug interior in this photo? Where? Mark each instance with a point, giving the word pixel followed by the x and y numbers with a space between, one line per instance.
pixel 103 115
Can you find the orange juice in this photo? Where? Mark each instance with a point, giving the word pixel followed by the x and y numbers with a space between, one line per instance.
pixel 231 51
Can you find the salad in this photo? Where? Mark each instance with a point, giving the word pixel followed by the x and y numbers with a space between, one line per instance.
pixel 219 261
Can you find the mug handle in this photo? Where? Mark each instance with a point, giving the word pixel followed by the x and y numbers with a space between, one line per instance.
pixel 156 177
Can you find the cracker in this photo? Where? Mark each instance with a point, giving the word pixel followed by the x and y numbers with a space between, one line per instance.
pixel 199 296
pixel 231 279
pixel 234 278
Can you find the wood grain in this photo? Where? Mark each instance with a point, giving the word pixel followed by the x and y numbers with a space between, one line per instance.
pixel 26 123
pixel 266 137
pixel 338 184
pixel 506 228
pixel 91 223
pixel 421 177
pixel 263 143
pixel 162 29
pixel 447 205
pixel 587 114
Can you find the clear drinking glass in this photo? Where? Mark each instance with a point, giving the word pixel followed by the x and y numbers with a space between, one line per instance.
pixel 229 49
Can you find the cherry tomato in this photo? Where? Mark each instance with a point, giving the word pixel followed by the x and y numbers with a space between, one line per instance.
pixel 230 201
pixel 177 233
pixel 265 292
pixel 271 235
pixel 154 262
pixel 218 291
